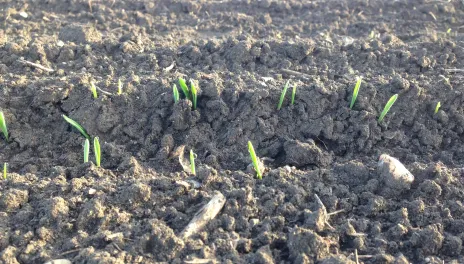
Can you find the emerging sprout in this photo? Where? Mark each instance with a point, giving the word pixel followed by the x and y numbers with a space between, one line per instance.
pixel 175 93
pixel 355 92
pixel 448 31
pixel 437 107
pixel 293 93
pixel 254 160
pixel 282 95
pixel 86 150
pixel 192 162
pixel 184 88
pixel 3 125
pixel 4 170
pixel 77 126
pixel 93 88
pixel 387 107
pixel 120 85
pixel 194 95
pixel 96 146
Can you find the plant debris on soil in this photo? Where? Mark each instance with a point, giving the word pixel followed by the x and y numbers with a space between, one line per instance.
pixel 322 197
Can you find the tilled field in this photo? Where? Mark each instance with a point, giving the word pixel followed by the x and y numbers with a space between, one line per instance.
pixel 322 197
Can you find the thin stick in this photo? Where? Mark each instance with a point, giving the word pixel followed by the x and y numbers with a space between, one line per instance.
pixel 36 65
pixel 356 256
pixel 103 91
pixel 336 212
pixel 295 73
pixel 454 70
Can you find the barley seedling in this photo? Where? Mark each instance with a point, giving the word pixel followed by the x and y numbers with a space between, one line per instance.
pixel 192 162
pixel 3 125
pixel 175 93
pixel 437 107
pixel 355 92
pixel 184 88
pixel 194 95
pixel 254 160
pixel 77 126
pixel 282 95
pixel 120 85
pixel 4 170
pixel 96 148
pixel 387 107
pixel 293 93
pixel 86 150
pixel 448 31
pixel 93 88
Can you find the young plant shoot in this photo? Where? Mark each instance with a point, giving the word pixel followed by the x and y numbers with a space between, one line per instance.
pixel 175 93
pixel 93 88
pixel 120 85
pixel 184 88
pixel 355 92
pixel 387 107
pixel 282 95
pixel 3 126
pixel 77 126
pixel 86 150
pixel 437 107
pixel 192 162
pixel 194 95
pixel 96 148
pixel 254 160
pixel 5 165
pixel 293 94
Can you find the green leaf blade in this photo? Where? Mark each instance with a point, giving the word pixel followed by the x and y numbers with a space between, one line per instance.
pixel 194 95
pixel 96 146
pixel 355 92
pixel 437 107
pixel 184 88
pixel 387 107
pixel 3 126
pixel 175 93
pixel 282 95
pixel 293 94
pixel 254 160
pixel 192 162
pixel 77 126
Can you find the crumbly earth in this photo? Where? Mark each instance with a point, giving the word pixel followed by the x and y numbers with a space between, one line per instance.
pixel 240 53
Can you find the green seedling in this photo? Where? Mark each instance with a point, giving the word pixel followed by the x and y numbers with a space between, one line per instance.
pixel 77 126
pixel 387 107
pixel 254 160
pixel 372 34
pixel 93 88
pixel 437 107
pixel 96 148
pixel 175 93
pixel 192 162
pixel 282 95
pixel 448 31
pixel 194 95
pixel 3 125
pixel 86 150
pixel 355 92
pixel 184 88
pixel 293 93
pixel 120 85
pixel 5 165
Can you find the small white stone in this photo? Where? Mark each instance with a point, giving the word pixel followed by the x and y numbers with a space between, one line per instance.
pixel 394 173
pixel 92 191
pixel 23 14
pixel 60 43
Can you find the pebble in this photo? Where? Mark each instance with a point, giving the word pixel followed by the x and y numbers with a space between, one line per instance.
pixel 394 173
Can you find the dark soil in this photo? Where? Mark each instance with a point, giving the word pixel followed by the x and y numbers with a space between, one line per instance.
pixel 132 209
